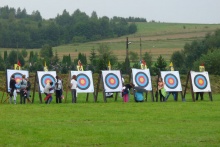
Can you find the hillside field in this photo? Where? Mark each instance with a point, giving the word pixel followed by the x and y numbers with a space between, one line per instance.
pixel 156 38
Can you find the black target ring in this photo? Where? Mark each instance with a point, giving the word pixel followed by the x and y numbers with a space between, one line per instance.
pixel 111 81
pixel 83 81
pixel 141 79
pixel 171 81
pixel 200 81
pixel 47 78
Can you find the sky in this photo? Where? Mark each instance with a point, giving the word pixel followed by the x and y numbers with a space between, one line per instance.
pixel 176 11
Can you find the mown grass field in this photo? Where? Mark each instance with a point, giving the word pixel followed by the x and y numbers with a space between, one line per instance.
pixel 116 123
pixel 112 123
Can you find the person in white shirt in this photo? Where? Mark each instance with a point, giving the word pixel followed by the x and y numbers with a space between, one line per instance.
pixel 73 86
pixel 58 88
pixel 47 92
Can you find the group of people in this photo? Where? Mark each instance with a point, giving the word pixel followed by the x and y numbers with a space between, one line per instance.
pixel 59 90
pixel 165 95
pixel 58 87
pixel 24 87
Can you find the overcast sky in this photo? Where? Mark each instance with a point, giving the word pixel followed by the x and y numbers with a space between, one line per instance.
pixel 180 11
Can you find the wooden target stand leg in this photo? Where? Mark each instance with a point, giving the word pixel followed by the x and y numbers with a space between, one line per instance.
pixel 87 97
pixel 157 84
pixel 188 78
pixel 103 91
pixel 97 88
pixel 7 97
pixel 2 96
pixel 35 83
pixel 67 86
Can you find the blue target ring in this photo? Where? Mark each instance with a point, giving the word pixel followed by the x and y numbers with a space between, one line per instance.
pixel 200 81
pixel 47 78
pixel 18 78
pixel 141 79
pixel 83 81
pixel 111 81
pixel 171 81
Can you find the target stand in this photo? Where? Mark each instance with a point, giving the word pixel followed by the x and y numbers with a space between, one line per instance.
pixel 18 77
pixel 41 79
pixel 84 83
pixel 172 82
pixel 111 82
pixel 141 78
pixel 199 82
pixel 7 96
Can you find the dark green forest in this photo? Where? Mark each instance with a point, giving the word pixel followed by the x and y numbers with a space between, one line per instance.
pixel 19 29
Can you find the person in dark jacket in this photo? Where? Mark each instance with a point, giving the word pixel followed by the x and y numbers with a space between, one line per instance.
pixel 12 89
pixel 28 89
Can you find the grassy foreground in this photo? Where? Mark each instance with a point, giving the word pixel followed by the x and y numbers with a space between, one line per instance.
pixel 112 123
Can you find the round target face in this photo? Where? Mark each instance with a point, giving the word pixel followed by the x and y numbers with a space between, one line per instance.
pixel 83 81
pixel 112 81
pixel 200 81
pixel 141 79
pixel 171 81
pixel 18 78
pixel 47 78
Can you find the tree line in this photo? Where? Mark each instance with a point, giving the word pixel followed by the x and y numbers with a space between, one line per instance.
pixel 19 29
pixel 198 52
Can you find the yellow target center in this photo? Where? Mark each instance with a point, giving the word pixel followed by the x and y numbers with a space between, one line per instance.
pixel 47 81
pixel 18 80
pixel 112 81
pixel 171 81
pixel 82 82
pixel 201 82
pixel 141 80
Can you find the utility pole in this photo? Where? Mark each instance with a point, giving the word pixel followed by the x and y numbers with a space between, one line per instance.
pixel 17 52
pixel 140 50
pixel 127 47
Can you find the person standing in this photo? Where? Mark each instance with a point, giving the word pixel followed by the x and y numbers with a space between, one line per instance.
pixel 58 88
pixel 174 95
pixel 47 92
pixel 161 89
pixel 73 86
pixel 23 86
pixel 28 89
pixel 125 91
pixel 13 89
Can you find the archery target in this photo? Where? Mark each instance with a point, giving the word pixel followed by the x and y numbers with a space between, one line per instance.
pixel 18 77
pixel 45 77
pixel 84 81
pixel 200 82
pixel 171 80
pixel 112 81
pixel 142 78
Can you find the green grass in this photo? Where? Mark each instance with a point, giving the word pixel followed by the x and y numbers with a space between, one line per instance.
pixel 112 123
